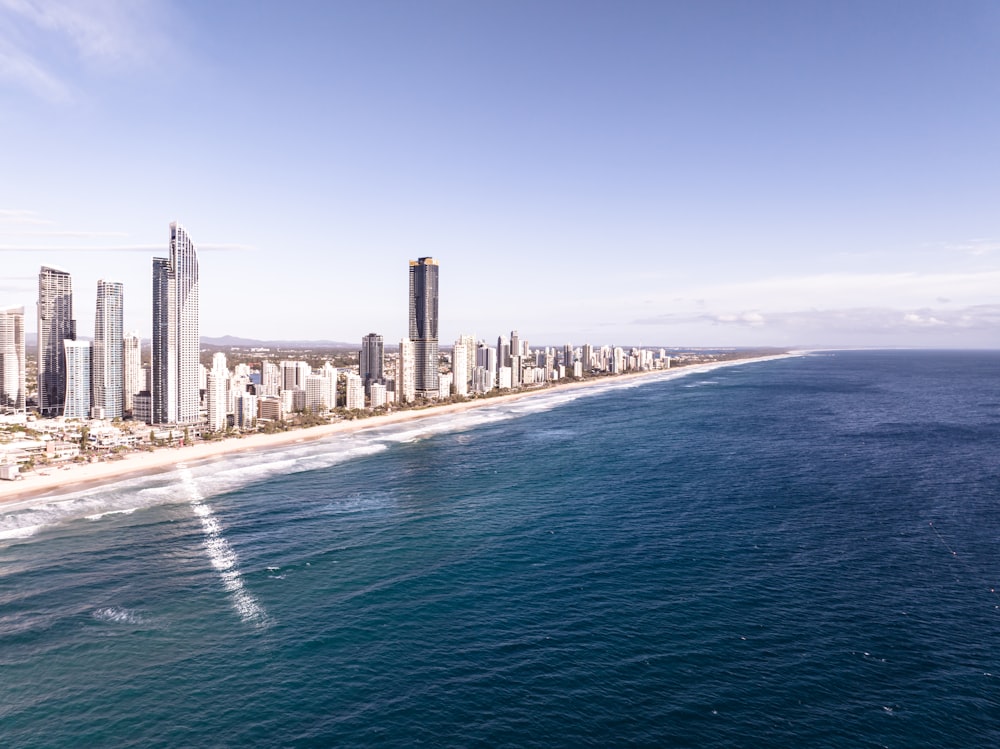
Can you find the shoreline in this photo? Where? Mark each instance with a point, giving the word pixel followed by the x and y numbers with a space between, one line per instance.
pixel 58 481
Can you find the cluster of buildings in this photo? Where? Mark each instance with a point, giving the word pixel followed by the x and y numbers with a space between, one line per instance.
pixel 106 378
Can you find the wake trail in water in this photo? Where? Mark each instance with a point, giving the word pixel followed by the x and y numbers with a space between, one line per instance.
pixel 221 555
pixel 991 588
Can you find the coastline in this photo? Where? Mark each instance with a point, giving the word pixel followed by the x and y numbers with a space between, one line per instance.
pixel 58 481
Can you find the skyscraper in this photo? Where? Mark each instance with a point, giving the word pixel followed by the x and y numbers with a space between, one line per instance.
pixel 176 341
pixel 216 393
pixel 134 380
pixel 469 341
pixel 55 325
pixel 405 376
pixel 459 367
pixel 424 324
pixel 108 378
pixel 372 360
pixel 78 363
pixel 12 363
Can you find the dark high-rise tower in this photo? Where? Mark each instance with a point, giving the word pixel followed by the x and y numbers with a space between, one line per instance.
pixel 372 360
pixel 424 323
pixel 55 325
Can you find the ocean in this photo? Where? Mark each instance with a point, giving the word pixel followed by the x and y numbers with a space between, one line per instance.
pixel 800 552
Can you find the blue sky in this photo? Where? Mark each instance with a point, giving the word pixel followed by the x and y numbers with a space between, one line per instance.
pixel 672 173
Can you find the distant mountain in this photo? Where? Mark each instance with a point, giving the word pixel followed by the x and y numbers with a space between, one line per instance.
pixel 232 340
pixel 31 342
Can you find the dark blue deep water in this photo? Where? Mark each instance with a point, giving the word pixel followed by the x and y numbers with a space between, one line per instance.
pixel 794 553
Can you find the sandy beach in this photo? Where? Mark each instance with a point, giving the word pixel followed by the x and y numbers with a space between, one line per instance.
pixel 51 482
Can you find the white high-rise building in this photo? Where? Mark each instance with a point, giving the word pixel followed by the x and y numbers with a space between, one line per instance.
pixel 176 333
pixel 216 393
pixel 460 367
pixel 330 381
pixel 12 361
pixel 444 385
pixel 379 395
pixel 245 414
pixel 293 374
pixel 355 392
pixel 134 378
pixel 317 393
pixel 108 354
pixel 270 378
pixel 77 405
pixel 406 389
pixel 469 341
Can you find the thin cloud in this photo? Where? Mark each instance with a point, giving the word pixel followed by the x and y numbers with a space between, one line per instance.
pixel 22 70
pixel 843 291
pixel 17 283
pixel 976 247
pixel 43 43
pixel 852 320
pixel 148 248
pixel 70 234
pixel 19 216
pixel 121 32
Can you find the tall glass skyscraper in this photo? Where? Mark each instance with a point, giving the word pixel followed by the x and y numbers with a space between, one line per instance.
pixel 55 325
pixel 108 358
pixel 176 337
pixel 424 323
pixel 12 362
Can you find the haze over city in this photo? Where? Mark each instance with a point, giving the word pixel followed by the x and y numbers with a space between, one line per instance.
pixel 713 174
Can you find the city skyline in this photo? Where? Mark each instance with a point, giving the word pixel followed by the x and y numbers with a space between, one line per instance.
pixel 710 174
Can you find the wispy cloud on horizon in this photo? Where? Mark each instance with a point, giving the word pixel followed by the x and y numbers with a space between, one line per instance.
pixel 848 320
pixel 67 234
pixel 206 247
pixel 20 216
pixel 975 247
pixel 840 290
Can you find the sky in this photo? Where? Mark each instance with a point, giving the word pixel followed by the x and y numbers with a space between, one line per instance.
pixel 711 173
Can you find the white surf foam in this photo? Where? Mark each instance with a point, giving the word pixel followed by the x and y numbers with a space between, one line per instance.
pixel 117 615
pixel 237 470
pixel 221 555
pixel 99 515
pixel 19 532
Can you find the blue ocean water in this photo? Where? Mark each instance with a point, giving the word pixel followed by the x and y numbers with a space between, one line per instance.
pixel 801 552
